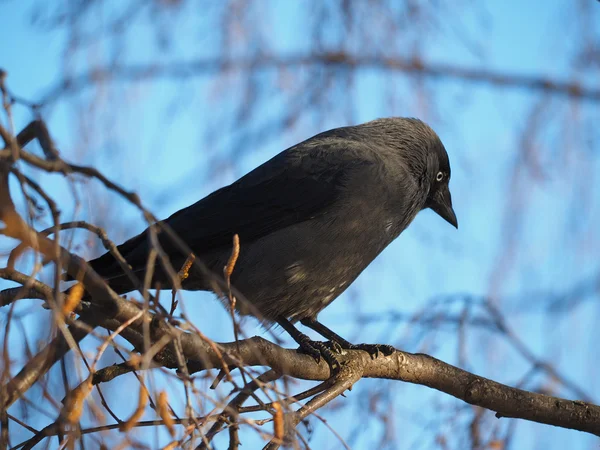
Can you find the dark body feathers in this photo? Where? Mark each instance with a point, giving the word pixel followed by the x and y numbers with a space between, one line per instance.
pixel 310 220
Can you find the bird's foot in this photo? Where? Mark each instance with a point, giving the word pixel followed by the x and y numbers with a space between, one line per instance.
pixel 372 349
pixel 335 346
pixel 318 350
pixel 338 343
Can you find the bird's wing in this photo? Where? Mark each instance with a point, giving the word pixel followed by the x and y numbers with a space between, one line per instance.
pixel 292 187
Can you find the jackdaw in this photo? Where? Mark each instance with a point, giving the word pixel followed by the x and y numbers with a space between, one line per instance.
pixel 309 221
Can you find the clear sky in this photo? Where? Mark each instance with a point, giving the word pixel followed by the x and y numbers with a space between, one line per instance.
pixel 153 143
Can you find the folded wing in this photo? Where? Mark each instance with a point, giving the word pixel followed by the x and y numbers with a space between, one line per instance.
pixel 294 186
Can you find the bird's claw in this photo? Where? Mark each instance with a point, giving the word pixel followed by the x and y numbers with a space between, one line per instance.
pixel 318 349
pixel 374 349
pixel 309 349
pixel 335 346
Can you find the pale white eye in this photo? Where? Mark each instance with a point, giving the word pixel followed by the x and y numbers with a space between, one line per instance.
pixel 439 176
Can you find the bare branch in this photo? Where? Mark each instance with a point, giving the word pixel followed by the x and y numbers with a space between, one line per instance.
pixel 333 60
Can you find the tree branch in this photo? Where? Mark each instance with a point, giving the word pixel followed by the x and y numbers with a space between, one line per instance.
pixel 338 60
pixel 421 369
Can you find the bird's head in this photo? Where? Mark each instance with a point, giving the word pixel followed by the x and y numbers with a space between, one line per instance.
pixel 437 176
pixel 419 149
pixel 411 144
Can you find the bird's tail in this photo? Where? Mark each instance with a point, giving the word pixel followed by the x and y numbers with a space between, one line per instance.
pixel 110 270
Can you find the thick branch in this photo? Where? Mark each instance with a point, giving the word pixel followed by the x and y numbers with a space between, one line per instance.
pixel 413 368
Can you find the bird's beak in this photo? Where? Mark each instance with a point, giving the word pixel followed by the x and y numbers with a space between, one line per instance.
pixel 441 203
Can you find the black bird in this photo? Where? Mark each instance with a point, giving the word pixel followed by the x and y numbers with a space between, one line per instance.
pixel 309 220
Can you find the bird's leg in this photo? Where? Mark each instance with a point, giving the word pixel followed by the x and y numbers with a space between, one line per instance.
pixel 339 342
pixel 316 349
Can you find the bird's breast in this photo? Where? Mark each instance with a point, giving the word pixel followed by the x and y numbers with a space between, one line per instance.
pixel 297 271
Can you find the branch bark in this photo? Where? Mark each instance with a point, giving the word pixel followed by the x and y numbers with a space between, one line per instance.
pixel 421 369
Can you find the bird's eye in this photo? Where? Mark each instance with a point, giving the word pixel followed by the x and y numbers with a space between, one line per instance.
pixel 439 176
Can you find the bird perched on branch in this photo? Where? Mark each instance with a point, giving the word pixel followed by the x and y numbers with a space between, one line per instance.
pixel 309 221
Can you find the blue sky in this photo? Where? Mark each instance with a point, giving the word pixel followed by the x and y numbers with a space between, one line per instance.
pixel 151 138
